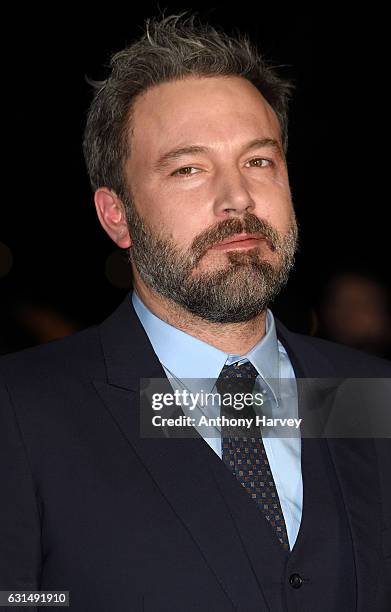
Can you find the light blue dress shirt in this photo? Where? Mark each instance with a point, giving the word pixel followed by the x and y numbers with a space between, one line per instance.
pixel 187 359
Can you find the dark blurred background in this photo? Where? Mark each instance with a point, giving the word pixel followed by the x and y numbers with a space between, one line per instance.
pixel 59 272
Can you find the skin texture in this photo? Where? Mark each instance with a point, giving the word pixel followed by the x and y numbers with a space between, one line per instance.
pixel 201 198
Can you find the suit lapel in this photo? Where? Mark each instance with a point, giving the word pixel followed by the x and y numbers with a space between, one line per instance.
pixel 183 469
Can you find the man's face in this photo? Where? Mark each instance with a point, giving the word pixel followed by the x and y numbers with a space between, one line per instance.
pixel 229 178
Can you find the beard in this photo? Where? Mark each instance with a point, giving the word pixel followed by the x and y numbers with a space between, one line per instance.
pixel 240 291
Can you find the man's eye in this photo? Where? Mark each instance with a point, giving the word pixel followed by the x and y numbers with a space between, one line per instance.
pixel 186 171
pixel 259 161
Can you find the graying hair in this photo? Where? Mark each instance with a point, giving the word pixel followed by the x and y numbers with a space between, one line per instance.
pixel 171 48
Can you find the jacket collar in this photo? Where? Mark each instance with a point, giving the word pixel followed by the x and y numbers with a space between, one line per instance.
pixel 125 342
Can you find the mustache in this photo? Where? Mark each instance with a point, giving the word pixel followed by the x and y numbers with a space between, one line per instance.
pixel 249 224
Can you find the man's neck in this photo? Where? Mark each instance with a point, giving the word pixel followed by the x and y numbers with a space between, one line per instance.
pixel 232 338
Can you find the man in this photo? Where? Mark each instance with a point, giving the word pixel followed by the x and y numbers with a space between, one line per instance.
pixel 185 146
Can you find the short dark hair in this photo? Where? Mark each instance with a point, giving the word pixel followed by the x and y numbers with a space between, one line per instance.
pixel 171 48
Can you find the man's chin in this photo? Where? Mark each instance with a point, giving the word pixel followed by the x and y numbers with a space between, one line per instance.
pixel 227 311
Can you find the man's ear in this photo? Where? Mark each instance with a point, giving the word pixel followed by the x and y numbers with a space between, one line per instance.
pixel 111 214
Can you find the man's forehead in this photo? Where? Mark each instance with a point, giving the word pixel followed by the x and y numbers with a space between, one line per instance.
pixel 200 95
pixel 193 110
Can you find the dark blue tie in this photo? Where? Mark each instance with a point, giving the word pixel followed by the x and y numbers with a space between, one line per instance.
pixel 246 456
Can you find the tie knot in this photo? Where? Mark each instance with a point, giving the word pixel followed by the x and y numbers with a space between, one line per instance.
pixel 237 378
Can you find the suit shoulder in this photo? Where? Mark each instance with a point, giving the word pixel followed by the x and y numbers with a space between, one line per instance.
pixel 350 358
pixel 78 355
pixel 345 360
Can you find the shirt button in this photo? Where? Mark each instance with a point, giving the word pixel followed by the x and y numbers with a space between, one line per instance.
pixel 295 580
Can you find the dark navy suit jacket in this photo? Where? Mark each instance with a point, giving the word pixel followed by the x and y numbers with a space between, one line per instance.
pixel 129 523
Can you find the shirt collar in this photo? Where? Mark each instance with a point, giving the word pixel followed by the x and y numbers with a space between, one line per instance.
pixel 187 357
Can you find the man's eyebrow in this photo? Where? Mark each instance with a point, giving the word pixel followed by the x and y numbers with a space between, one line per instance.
pixel 166 158
pixel 265 142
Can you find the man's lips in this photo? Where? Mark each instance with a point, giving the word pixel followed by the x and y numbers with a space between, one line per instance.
pixel 239 241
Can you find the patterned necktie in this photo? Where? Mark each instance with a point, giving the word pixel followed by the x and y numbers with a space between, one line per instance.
pixel 246 456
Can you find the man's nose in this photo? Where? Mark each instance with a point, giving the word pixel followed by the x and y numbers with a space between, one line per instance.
pixel 232 194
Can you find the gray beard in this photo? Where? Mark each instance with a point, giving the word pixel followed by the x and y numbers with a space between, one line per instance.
pixel 238 293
